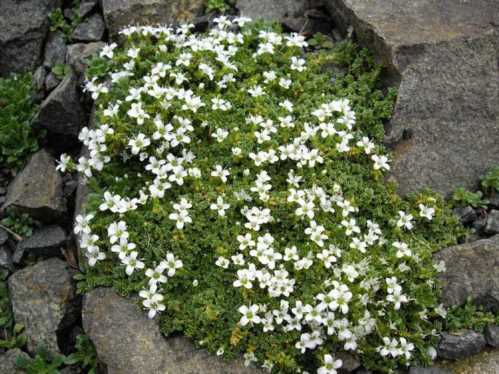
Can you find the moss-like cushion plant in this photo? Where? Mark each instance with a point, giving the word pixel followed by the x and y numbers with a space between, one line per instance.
pixel 237 185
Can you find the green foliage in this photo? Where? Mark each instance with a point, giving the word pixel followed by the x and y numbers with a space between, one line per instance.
pixel 200 300
pixel 85 356
pixel 490 182
pixel 44 362
pixel 320 40
pixel 218 6
pixel 469 316
pixel 17 140
pixel 59 23
pixel 61 70
pixel 462 197
pixel 20 223
pixel 10 333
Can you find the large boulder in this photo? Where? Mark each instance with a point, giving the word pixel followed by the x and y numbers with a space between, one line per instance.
pixel 121 13
pixel 444 54
pixel 24 25
pixel 37 189
pixel 128 342
pixel 472 271
pixel 62 113
pixel 44 300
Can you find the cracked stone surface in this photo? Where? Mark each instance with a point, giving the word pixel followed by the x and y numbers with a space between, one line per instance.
pixel 444 55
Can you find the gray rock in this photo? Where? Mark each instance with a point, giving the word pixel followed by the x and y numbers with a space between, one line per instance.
pixel 6 258
pixel 121 13
pixel 465 214
pixel 445 127
pixel 44 300
pixel 90 30
pixel 61 113
pixel 492 226
pixel 4 236
pixel 86 7
pixel 492 335
pixel 350 362
pixel 494 199
pixel 79 53
pixel 37 189
pixel 276 10
pixel 55 50
pixel 465 343
pixel 51 82
pixel 8 361
pixel 472 270
pixel 128 342
pixel 46 241
pixel 39 78
pixel 429 370
pixel 24 25
pixel 486 362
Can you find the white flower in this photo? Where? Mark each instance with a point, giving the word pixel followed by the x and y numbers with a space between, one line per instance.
pixel 221 173
pixel 132 263
pixel 285 83
pixel 64 163
pixel 402 250
pixel 108 50
pixel 220 104
pixel 222 262
pixel 116 231
pixel 330 365
pixel 171 264
pixel 156 275
pixel 380 162
pixel 220 206
pixel 82 224
pixel 405 220
pixel 297 64
pixel 250 314
pixel 220 134
pixel 153 302
pixel 315 232
pixel 426 212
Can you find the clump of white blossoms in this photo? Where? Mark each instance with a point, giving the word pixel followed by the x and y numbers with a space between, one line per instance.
pixel 234 189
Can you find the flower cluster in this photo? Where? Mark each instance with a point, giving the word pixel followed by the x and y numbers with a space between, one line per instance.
pixel 242 195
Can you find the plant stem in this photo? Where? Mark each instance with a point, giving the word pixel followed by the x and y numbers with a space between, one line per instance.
pixel 16 236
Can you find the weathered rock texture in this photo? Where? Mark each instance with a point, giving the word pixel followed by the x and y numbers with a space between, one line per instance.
pixel 24 25
pixel 458 345
pixel 61 113
pixel 128 342
pixel 472 270
pixel 484 363
pixel 445 128
pixel 121 13
pixel 90 30
pixel 37 190
pixel 8 361
pixel 44 301
pixel 46 241
pixel 78 55
pixel 272 10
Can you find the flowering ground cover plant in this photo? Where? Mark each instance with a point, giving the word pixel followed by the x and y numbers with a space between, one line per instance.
pixel 238 188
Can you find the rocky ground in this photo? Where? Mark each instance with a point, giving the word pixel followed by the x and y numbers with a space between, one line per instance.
pixel 444 133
